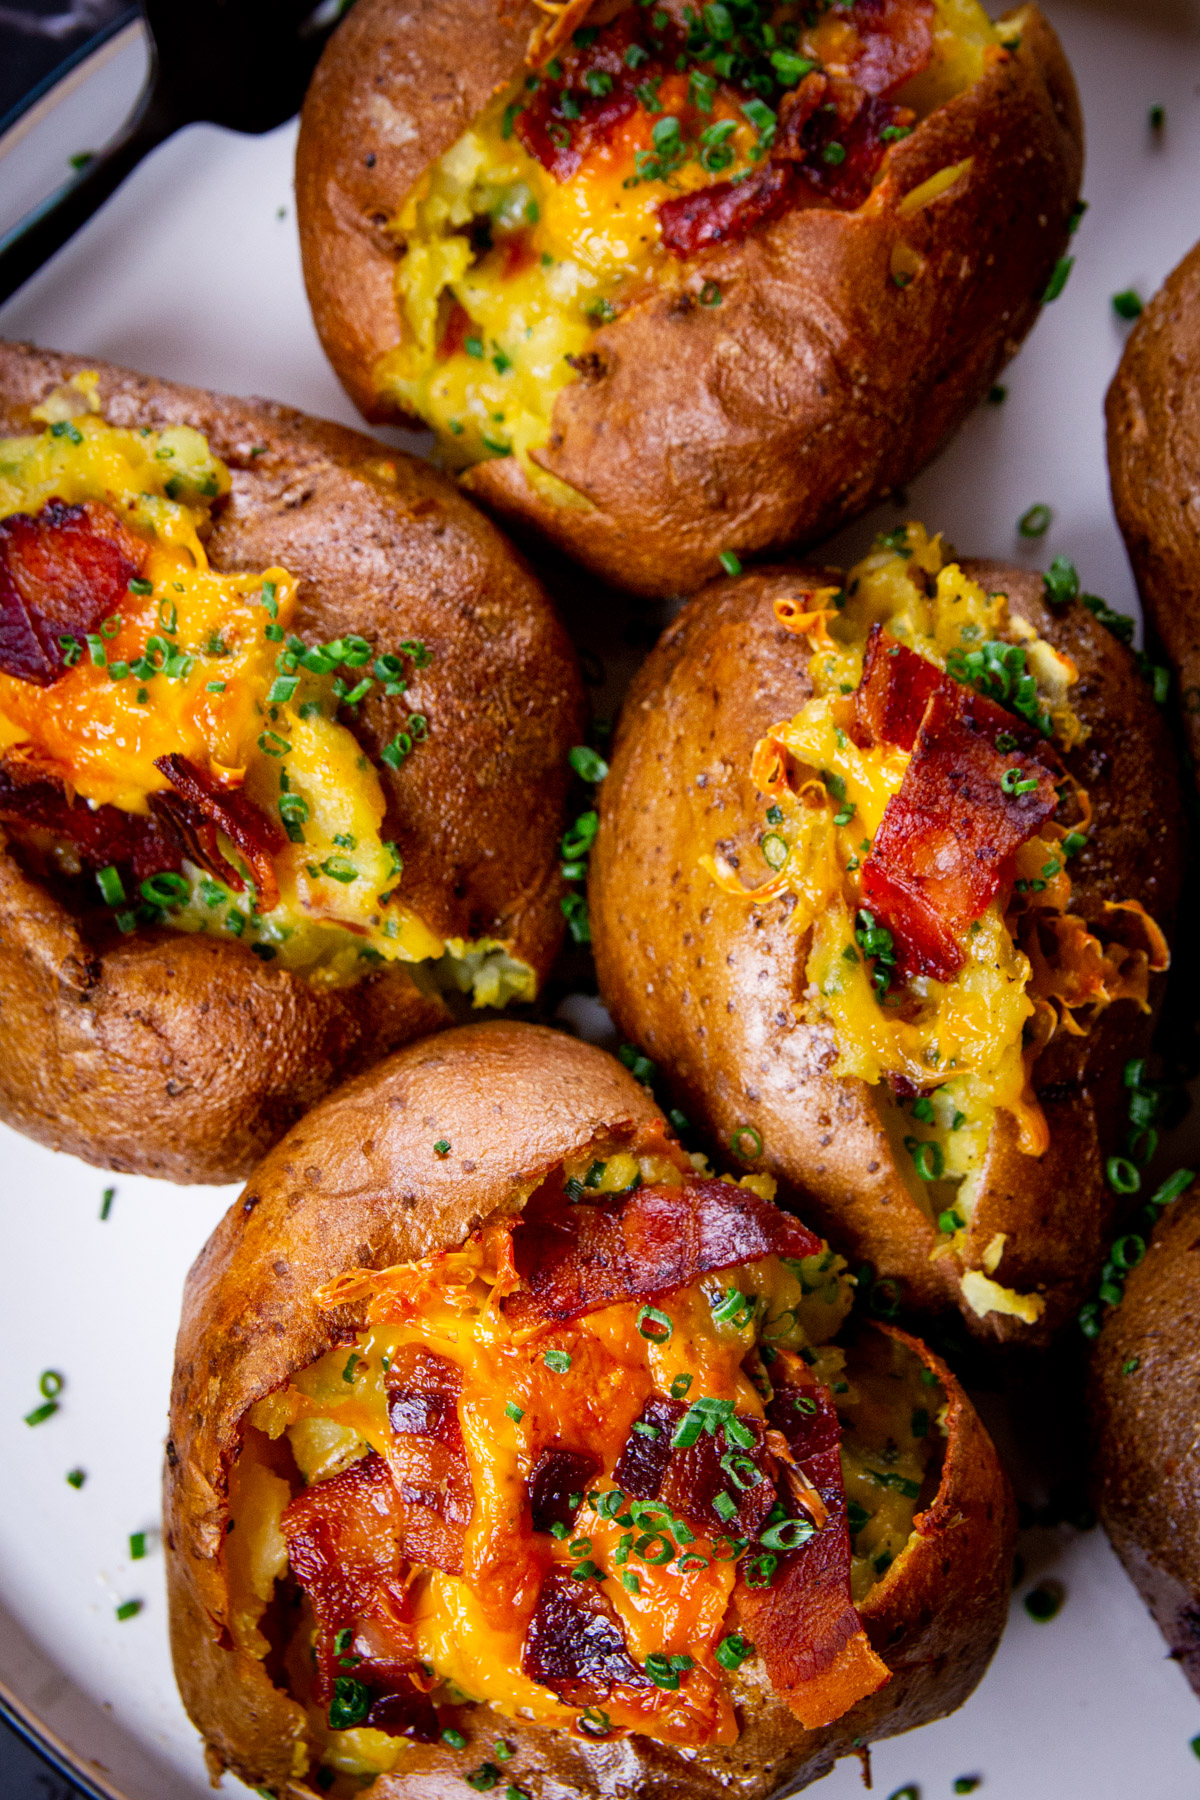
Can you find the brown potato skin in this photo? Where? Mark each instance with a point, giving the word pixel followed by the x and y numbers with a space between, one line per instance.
pixel 1144 1459
pixel 357 1183
pixel 704 982
pixel 185 1057
pixel 1153 412
pixel 815 385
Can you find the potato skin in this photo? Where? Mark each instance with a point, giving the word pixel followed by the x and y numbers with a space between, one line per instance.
pixel 1153 412
pixel 357 1182
pixel 1143 1426
pixel 208 1052
pixel 812 388
pixel 704 982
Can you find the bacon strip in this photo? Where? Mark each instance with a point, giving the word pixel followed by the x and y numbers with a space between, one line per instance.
pixel 947 840
pixel 583 1256
pixel 100 835
pixel 897 685
pixel 690 1480
pixel 350 1540
pixel 557 1476
pixel 805 1625
pixel 62 571
pixel 575 1645
pixel 233 812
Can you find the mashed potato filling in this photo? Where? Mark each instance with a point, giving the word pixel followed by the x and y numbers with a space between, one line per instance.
pixel 527 1413
pixel 530 231
pixel 200 670
pixel 947 1055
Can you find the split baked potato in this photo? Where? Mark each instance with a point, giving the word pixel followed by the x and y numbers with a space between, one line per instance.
pixel 674 283
pixel 283 736
pixel 884 868
pixel 1144 1383
pixel 507 1448
pixel 1153 411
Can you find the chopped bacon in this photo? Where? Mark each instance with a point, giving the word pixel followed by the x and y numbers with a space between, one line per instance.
pixel 897 685
pixel 407 1712
pixel 895 42
pixel 575 1645
pixel 560 144
pixel 804 1624
pixel 578 1257
pixel 557 1477
pixel 457 329
pixel 690 1479
pixel 62 571
pixel 726 211
pixel 350 1540
pixel 948 837
pixel 233 812
pixel 100 835
pixel 426 1453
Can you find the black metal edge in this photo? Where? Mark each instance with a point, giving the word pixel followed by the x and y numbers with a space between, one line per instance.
pixel 64 68
pixel 59 1757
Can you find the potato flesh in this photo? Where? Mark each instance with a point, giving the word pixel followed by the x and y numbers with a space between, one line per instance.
pixel 591 242
pixel 102 740
pixel 327 1421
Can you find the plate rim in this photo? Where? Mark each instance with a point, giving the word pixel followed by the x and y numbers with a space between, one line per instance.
pixel 47 1744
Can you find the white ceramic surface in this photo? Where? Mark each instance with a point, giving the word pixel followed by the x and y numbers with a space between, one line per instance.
pixel 192 271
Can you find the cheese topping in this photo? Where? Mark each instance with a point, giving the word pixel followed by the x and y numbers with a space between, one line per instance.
pixel 508 267
pixel 205 666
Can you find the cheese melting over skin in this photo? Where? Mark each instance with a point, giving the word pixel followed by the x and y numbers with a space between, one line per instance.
pixel 218 643
pixel 564 255
pixel 473 1646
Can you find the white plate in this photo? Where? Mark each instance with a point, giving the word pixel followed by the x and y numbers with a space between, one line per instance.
pixel 192 272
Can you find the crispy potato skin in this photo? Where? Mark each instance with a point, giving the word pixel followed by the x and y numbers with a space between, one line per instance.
pixel 209 1053
pixel 1144 1467
pixel 705 983
pixel 814 386
pixel 357 1182
pixel 1153 411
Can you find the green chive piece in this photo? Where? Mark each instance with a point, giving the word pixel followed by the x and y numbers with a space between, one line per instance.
pixel 1035 522
pixel 106 1201
pixel 1127 304
pixel 137 1546
pixel 514 1412
pixel 557 1361
pixel 587 764
pixel 75 1478
pixel 454 1738
pixel 40 1414
pixel 1058 279
pixel 730 562
pixel 1045 1602
pixel 442 1147
pixel 129 1609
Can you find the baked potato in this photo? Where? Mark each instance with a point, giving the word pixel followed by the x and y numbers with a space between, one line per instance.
pixel 283 738
pixel 1154 466
pixel 1144 1380
pixel 505 1448
pixel 671 288
pixel 884 867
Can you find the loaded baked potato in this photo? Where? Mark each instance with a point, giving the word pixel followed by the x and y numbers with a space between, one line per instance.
pixel 283 729
pixel 673 283
pixel 884 867
pixel 1154 465
pixel 1145 1379
pixel 507 1448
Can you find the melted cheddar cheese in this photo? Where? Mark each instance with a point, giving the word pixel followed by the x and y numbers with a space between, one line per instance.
pixel 505 271
pixel 601 1368
pixel 206 665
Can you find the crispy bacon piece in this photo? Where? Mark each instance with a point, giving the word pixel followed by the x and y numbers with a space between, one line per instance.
pixel 895 42
pixel 350 1542
pixel 62 571
pixel 101 835
pixel 233 812
pixel 947 839
pixel 556 1476
pixel 689 1480
pixel 407 1712
pixel 426 1454
pixel 583 1256
pixel 575 1645
pixel 897 685
pixel 560 143
pixel 805 1625
pixel 727 211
